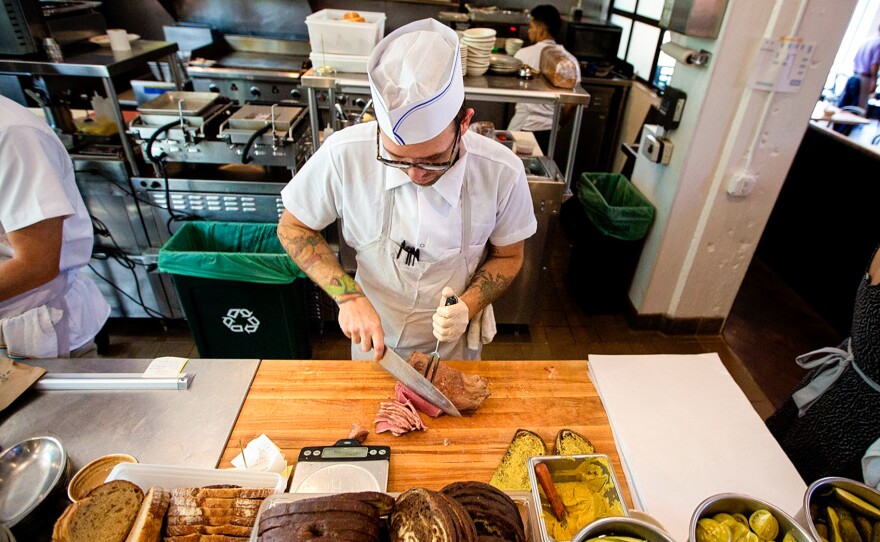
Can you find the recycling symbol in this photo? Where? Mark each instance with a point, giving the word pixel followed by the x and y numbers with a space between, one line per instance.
pixel 241 320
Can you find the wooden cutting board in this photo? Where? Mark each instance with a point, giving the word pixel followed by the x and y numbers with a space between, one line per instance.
pixel 314 403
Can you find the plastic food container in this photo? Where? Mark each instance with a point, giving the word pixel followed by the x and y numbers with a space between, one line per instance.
pixel 571 474
pixel 735 503
pixel 330 33
pixel 173 477
pixel 505 138
pixel 342 63
pixel 521 498
pixel 823 486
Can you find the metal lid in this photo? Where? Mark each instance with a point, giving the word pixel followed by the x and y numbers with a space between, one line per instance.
pixel 29 471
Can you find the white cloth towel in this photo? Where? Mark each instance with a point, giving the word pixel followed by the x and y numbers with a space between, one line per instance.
pixel 481 329
pixel 871 465
pixel 31 334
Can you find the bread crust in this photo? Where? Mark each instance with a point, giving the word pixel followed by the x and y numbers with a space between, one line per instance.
pixel 148 523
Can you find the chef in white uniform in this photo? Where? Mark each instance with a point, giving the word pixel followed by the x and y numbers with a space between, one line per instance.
pixel 544 25
pixel 431 209
pixel 47 308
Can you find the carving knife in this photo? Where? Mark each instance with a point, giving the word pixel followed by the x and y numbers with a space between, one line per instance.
pixel 403 371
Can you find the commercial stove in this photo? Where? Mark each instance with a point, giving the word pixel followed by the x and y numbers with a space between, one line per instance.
pixel 251 69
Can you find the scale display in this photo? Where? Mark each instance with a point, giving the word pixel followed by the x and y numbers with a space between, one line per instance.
pixel 344 467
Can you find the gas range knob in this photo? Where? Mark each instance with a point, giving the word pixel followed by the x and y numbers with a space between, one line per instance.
pixel 359 102
pixel 255 91
pixel 295 94
pixel 213 88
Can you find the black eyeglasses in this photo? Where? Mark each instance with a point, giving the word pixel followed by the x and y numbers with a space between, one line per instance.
pixel 427 166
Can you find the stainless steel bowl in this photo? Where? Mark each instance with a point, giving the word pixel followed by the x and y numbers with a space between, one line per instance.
pixel 733 503
pixel 29 473
pixel 622 527
pixel 823 485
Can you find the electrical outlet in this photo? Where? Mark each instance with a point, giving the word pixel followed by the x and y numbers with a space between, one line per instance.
pixel 741 185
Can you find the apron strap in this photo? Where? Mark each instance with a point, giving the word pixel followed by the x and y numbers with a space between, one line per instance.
pixel 834 363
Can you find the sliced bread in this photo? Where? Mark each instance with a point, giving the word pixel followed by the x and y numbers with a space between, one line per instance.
pixel 106 514
pixel 148 524
pixel 569 442
pixel 512 473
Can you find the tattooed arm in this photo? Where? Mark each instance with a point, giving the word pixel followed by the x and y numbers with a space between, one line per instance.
pixel 493 277
pixel 358 318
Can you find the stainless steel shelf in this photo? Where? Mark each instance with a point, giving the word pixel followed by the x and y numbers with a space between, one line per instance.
pixel 98 62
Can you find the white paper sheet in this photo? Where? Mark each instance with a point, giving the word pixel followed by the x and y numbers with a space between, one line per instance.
pixel 686 432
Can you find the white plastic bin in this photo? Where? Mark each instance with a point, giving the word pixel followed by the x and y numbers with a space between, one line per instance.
pixel 342 63
pixel 329 33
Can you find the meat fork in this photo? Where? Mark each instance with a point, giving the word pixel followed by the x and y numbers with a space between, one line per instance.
pixel 434 357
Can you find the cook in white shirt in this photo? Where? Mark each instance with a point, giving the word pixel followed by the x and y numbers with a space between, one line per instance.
pixel 431 209
pixel 544 25
pixel 47 309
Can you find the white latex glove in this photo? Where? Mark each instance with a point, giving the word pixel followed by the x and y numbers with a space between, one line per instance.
pixel 450 322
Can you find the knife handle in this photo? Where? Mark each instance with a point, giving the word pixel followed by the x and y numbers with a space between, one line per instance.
pixel 545 480
pixel 451 300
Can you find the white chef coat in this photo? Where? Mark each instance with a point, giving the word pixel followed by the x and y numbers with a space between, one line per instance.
pixel 536 117
pixel 37 183
pixel 344 180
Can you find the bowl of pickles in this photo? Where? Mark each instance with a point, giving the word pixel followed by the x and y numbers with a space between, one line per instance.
pixel 733 517
pixel 621 529
pixel 842 510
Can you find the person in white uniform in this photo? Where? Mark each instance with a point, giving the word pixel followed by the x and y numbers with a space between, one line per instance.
pixel 544 26
pixel 47 308
pixel 432 210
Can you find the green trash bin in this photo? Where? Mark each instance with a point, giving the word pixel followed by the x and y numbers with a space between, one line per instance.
pixel 242 295
pixel 606 224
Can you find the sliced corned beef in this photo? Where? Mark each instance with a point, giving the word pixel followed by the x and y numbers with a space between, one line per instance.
pixel 405 394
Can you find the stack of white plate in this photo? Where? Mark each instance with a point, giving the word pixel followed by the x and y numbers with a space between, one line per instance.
pixel 463 53
pixel 480 42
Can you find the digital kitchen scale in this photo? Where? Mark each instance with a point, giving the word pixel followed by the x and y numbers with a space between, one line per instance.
pixel 344 467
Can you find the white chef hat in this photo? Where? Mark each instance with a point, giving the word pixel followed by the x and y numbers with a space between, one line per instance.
pixel 415 78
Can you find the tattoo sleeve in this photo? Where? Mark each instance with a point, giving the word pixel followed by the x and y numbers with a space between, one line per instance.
pixel 309 250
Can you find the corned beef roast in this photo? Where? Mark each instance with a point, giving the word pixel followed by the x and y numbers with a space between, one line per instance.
pixel 466 391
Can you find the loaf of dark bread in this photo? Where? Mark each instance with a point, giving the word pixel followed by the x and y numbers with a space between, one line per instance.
pixel 493 512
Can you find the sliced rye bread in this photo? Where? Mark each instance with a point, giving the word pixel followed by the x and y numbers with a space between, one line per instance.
pixel 569 442
pixel 467 532
pixel 203 512
pixel 221 492
pixel 491 521
pixel 335 503
pixel 320 526
pixel 484 492
pixel 205 538
pixel 421 514
pixel 345 520
pixel 209 520
pixel 292 533
pixel 105 514
pixel 227 530
pixel 148 523
pixel 215 502
pixel 512 473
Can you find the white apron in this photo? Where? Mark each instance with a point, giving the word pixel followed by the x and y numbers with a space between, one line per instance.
pixel 36 324
pixel 406 296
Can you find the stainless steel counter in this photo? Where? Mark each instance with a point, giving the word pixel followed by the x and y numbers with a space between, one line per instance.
pixel 189 427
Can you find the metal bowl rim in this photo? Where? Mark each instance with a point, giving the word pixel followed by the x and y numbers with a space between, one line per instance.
pixel 59 475
pixel 828 480
pixel 601 522
pixel 698 513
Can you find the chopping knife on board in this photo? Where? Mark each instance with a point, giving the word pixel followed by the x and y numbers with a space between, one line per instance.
pixel 412 379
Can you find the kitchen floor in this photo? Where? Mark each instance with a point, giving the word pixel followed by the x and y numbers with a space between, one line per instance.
pixel 768 327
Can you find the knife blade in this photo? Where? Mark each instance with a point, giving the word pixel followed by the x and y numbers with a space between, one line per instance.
pixel 409 377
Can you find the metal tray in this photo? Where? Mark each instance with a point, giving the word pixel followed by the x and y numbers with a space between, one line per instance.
pixel 522 499
pixel 194 103
pixel 254 117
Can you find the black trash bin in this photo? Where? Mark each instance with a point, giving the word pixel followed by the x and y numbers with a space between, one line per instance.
pixel 242 295
pixel 606 223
